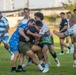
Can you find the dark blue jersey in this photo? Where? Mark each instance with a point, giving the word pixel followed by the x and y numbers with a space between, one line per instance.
pixel 63 23
pixel 32 39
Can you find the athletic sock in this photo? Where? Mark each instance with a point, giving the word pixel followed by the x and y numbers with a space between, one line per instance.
pixel 54 55
pixel 46 65
pixel 40 67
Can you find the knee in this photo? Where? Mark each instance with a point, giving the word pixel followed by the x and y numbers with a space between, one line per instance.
pixel 43 51
pixel 30 52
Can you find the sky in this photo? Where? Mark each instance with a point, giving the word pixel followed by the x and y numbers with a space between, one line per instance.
pixel 32 4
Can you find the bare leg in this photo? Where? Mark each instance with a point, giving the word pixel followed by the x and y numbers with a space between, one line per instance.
pixel 52 52
pixel 31 55
pixel 74 55
pixel 61 35
pixel 15 59
pixel 45 54
pixel 6 46
pixel 35 48
pixel 21 58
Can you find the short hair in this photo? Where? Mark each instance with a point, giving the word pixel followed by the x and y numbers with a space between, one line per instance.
pixel 31 20
pixel 69 12
pixel 73 20
pixel 40 15
pixel 39 23
pixel 74 10
pixel 62 13
pixel 26 9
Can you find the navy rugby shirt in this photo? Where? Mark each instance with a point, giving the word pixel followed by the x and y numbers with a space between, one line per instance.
pixel 32 39
pixel 63 23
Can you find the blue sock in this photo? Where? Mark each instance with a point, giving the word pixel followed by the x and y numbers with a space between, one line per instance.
pixel 46 65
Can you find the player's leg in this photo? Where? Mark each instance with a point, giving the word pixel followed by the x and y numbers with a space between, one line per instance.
pixel 61 47
pixel 44 50
pixel 5 41
pixel 35 48
pixel 72 46
pixel 53 53
pixel 20 69
pixel 26 49
pixel 74 55
pixel 67 43
pixel 33 57
pixel 14 48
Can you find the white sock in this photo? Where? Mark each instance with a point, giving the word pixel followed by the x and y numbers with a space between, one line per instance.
pixel 56 58
pixel 40 67
pixel 75 62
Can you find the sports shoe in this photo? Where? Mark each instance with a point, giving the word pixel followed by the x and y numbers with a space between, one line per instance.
pixel 67 52
pixel 12 55
pixel 45 70
pixel 13 69
pixel 20 69
pixel 61 54
pixel 57 63
pixel 26 64
pixel 43 65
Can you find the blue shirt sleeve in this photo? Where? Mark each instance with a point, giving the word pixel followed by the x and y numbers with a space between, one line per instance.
pixel 23 26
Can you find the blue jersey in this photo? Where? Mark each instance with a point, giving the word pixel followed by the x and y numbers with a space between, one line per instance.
pixel 15 36
pixel 3 25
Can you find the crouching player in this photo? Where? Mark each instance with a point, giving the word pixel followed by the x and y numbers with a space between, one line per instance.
pixel 26 47
pixel 70 31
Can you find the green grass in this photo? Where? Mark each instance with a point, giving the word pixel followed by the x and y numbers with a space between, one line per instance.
pixel 65 60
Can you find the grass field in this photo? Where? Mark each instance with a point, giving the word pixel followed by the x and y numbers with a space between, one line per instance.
pixel 65 60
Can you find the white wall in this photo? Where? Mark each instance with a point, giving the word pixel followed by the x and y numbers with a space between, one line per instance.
pixel 13 21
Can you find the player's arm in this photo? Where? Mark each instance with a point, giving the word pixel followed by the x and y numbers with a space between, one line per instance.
pixel 34 34
pixel 64 28
pixel 7 27
pixel 61 35
pixel 21 31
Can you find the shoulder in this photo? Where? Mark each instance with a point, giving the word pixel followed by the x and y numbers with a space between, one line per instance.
pixel 4 18
pixel 64 19
pixel 23 25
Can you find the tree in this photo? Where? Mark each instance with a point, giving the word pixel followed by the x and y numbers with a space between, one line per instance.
pixel 69 5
